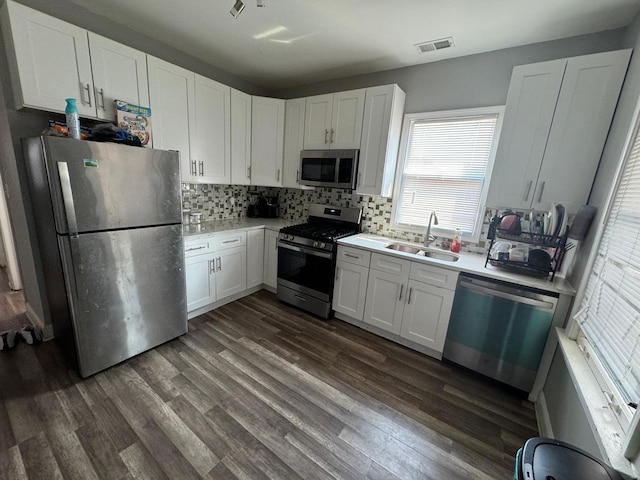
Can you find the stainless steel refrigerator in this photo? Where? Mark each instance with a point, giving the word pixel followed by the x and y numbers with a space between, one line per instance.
pixel 109 230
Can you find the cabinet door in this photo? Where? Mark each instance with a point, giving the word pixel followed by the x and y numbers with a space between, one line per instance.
pixel 385 300
pixel 201 281
pixel 293 142
pixel 346 119
pixel 255 257
pixel 531 102
pixel 586 105
pixel 119 73
pixel 381 125
pixel 240 138
pixel 271 259
pixel 231 272
pixel 52 60
pixel 172 95
pixel 317 122
pixel 267 141
pixel 426 315
pixel 350 289
pixel 212 139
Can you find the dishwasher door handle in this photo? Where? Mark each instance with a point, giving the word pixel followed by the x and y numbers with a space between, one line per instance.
pixel 507 296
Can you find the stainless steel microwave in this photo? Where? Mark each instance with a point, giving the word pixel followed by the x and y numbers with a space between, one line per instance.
pixel 329 168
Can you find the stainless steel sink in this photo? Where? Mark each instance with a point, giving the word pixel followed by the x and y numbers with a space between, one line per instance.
pixel 401 247
pixel 447 257
pixel 429 253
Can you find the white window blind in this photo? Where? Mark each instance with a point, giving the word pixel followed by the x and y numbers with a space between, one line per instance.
pixel 610 311
pixel 445 168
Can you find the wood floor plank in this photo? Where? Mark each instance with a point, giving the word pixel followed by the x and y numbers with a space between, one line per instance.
pixel 258 389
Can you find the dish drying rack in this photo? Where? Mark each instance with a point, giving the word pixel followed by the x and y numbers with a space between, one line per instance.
pixel 558 243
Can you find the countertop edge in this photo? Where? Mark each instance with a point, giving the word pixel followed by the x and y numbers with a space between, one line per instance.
pixel 213 227
pixel 471 263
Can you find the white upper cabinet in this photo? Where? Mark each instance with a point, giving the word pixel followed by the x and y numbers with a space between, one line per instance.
pixel 240 138
pixel 556 122
pixel 52 60
pixel 49 60
pixel 293 142
pixel 585 108
pixel 381 126
pixel 211 150
pixel 172 93
pixel 267 141
pixel 334 121
pixel 119 73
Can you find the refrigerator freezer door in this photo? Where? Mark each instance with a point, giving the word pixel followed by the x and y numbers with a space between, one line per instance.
pixel 126 290
pixel 111 186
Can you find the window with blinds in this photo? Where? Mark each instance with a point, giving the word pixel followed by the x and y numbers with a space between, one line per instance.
pixel 445 166
pixel 609 314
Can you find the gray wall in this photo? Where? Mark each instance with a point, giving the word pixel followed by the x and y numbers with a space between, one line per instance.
pixel 568 419
pixel 466 82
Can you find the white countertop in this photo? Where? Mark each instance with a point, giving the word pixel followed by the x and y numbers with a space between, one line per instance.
pixel 468 262
pixel 230 224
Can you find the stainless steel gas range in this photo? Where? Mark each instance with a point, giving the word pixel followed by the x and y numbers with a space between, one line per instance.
pixel 307 256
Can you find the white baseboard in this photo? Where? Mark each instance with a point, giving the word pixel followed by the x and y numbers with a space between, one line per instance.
pixel 47 330
pixel 542 417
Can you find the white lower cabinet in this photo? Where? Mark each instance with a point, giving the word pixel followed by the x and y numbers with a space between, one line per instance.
pixel 412 300
pixel 201 280
pixel 384 304
pixel 255 257
pixel 231 272
pixel 271 259
pixel 426 315
pixel 350 289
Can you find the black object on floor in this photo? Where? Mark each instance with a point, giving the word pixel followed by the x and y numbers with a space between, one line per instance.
pixel 546 459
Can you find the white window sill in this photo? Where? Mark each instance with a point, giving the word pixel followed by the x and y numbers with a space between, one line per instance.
pixel 602 421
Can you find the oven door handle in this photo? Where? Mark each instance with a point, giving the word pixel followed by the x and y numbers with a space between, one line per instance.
pixel 308 251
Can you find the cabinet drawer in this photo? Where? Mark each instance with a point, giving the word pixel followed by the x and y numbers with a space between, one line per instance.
pixel 390 264
pixel 229 240
pixel 354 256
pixel 440 277
pixel 198 247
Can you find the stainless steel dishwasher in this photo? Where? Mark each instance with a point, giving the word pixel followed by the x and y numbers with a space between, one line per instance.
pixel 499 329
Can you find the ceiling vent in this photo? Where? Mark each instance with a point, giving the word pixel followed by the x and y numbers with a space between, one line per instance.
pixel 434 45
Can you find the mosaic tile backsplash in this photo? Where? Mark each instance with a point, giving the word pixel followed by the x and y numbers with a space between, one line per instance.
pixel 231 201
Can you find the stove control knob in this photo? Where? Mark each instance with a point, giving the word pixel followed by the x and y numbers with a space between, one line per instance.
pixel 315 244
pixel 321 245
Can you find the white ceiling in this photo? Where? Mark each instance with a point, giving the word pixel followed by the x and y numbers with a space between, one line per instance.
pixel 295 42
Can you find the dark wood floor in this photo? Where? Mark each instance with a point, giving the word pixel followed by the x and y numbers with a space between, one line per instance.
pixel 258 390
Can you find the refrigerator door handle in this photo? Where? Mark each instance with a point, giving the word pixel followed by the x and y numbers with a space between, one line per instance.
pixel 67 197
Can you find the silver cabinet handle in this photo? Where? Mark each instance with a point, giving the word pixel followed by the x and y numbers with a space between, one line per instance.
pixel 278 176
pixel 201 168
pixel 541 190
pixel 196 248
pixel 337 273
pixel 409 297
pixel 352 256
pixel 212 268
pixel 326 134
pixel 232 241
pixel 401 289
pixel 219 262
pixel 249 172
pixel 332 133
pixel 67 198
pixel 525 197
pixel 194 172
pixel 85 87
pixel 100 103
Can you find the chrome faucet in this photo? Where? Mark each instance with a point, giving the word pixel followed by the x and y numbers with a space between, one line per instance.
pixel 428 238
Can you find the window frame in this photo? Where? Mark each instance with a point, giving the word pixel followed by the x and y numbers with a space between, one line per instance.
pixel 409 119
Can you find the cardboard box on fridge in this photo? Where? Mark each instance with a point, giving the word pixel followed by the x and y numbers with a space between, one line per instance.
pixel 136 120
